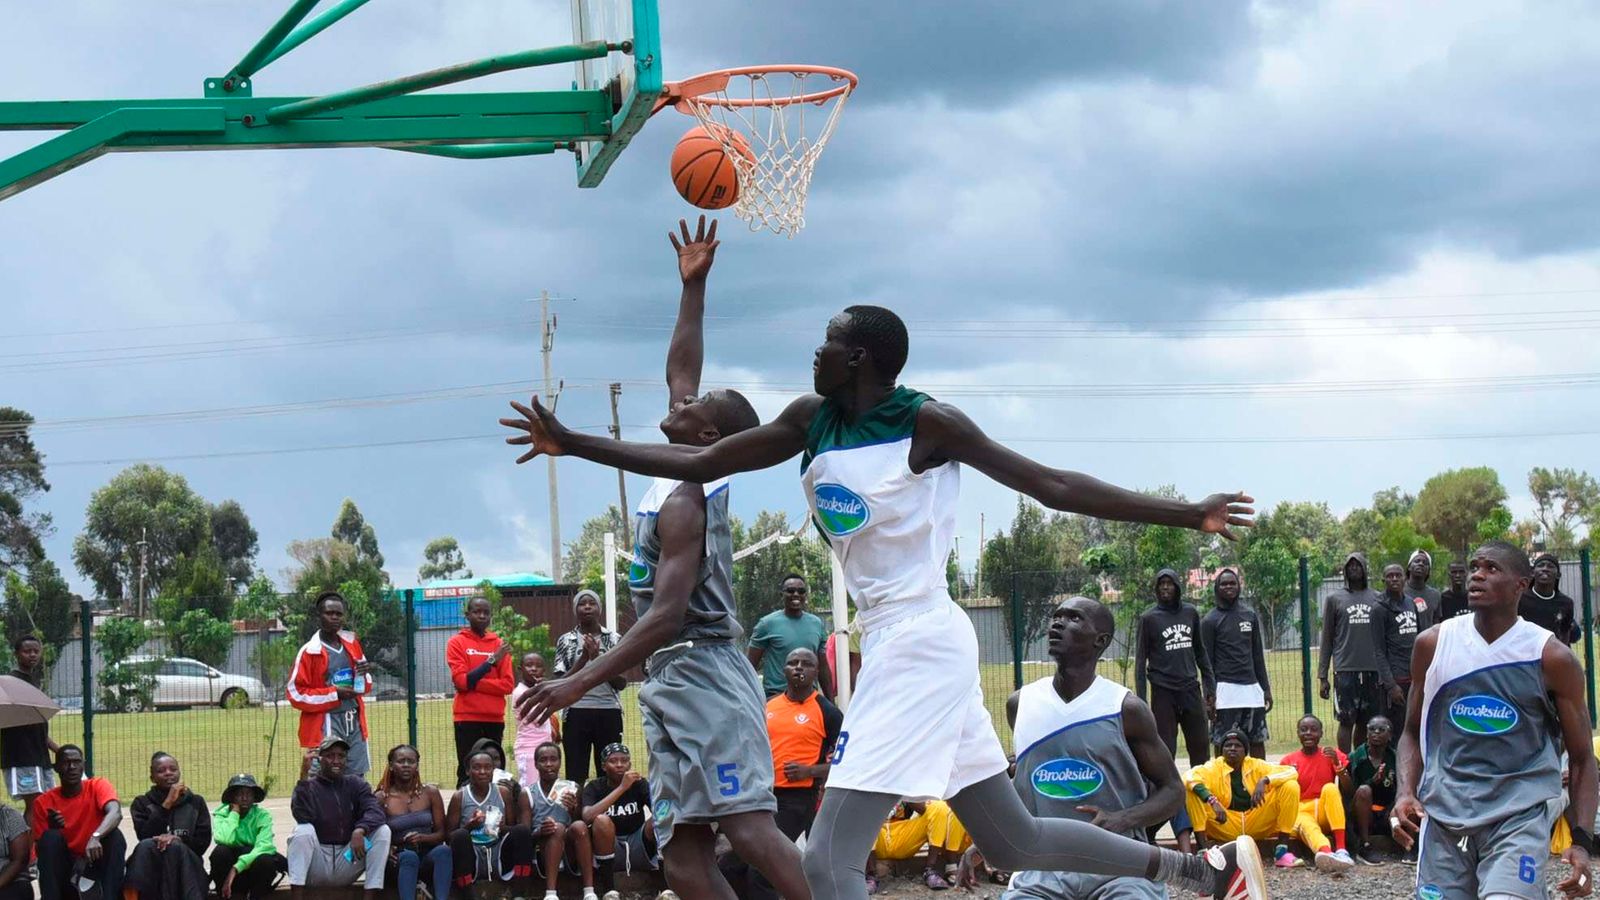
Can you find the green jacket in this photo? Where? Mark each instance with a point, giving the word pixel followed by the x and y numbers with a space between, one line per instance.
pixel 253 830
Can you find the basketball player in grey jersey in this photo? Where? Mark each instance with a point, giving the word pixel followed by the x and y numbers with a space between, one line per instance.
pixel 1494 701
pixel 1077 723
pixel 704 711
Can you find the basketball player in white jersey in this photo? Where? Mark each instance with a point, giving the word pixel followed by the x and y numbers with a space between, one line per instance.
pixel 1494 701
pixel 881 471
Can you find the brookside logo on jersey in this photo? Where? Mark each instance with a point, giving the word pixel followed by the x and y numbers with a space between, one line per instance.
pixel 839 509
pixel 1067 779
pixel 1483 714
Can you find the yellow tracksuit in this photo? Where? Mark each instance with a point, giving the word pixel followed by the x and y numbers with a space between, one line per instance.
pixel 937 826
pixel 1275 816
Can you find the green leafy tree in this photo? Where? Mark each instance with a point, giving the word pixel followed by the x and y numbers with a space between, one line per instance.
pixel 375 614
pixel 22 479
pixel 1497 526
pixel 1021 566
pixel 235 542
pixel 1398 537
pixel 200 582
pixel 585 555
pixel 1562 498
pixel 759 575
pixel 1270 571
pixel 143 502
pixel 353 529
pixel 1391 502
pixel 1452 503
pixel 125 686
pixel 260 602
pixel 442 559
pixel 514 628
pixel 195 633
pixel 1363 528
pixel 42 605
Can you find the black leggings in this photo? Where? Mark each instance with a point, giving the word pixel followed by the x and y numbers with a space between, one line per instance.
pixel 1175 709
pixel 584 733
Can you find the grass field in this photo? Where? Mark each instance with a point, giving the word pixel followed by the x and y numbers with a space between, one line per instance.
pixel 213 744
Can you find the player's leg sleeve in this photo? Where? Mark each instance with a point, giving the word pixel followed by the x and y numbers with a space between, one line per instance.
pixel 846 828
pixel 1010 838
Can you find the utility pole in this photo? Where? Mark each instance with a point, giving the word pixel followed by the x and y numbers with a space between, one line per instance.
pixel 144 564
pixel 979 576
pixel 622 483
pixel 547 327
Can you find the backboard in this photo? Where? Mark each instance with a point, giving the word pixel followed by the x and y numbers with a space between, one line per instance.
pixel 633 80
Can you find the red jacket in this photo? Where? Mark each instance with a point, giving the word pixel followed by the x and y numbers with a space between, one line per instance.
pixel 310 692
pixel 486 700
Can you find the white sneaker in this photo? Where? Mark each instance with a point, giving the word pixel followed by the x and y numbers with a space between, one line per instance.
pixel 666 895
pixel 612 895
pixel 1333 862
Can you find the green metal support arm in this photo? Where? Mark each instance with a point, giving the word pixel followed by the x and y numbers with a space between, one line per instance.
pixel 310 30
pixel 487 151
pixel 257 57
pixel 92 139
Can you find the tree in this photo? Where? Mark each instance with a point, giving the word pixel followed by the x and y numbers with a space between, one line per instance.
pixel 1391 502
pixel 125 686
pixel 758 576
pixel 1020 566
pixel 1398 538
pixel 329 564
pixel 1497 526
pixel 1363 529
pixel 235 542
pixel 353 529
pixel 1561 498
pixel 443 560
pixel 142 503
pixel 585 555
pixel 22 478
pixel 199 582
pixel 1452 503
pixel 261 601
pixel 41 605
pixel 1305 529
pixel 1270 570
pixel 514 629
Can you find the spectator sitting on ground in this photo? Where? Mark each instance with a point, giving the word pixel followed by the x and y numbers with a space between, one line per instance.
pixel 555 799
pixel 244 863
pixel 328 683
pixel 480 670
pixel 16 850
pixel 786 629
pixel 173 827
pixel 76 823
pixel 498 754
pixel 488 820
pixel 340 835
pixel 25 749
pixel 414 812
pixel 531 734
pixel 1372 785
pixel 617 807
pixel 1236 795
pixel 1324 778
pixel 913 824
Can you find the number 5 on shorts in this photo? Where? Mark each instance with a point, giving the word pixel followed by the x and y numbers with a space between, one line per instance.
pixel 728 778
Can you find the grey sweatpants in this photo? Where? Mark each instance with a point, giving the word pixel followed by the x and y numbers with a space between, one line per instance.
pixel 315 864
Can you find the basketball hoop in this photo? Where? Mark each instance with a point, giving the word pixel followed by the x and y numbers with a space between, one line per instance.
pixel 769 106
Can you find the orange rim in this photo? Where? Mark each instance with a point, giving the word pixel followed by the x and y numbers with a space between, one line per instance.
pixel 679 94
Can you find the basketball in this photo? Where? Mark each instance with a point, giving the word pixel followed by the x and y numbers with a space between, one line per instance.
pixel 703 173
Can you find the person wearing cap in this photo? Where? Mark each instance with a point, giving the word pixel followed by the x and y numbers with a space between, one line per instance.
pixel 1544 605
pixel 596 719
pixel 340 833
pixel 480 669
pixel 173 827
pixel 1428 601
pixel 617 808
pixel 328 684
pixel 244 862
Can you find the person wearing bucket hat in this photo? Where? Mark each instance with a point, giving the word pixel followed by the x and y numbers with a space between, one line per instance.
pixel 595 720
pixel 244 862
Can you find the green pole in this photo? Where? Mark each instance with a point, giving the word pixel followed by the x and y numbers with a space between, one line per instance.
pixel 310 30
pixel 257 56
pixel 411 668
pixel 544 56
pixel 87 643
pixel 485 151
pixel 1305 632
pixel 1586 577
pixel 1016 635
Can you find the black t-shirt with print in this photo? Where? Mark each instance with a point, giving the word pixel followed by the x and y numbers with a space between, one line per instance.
pixel 629 810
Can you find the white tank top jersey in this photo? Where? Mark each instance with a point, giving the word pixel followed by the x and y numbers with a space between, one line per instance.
pixel 891 528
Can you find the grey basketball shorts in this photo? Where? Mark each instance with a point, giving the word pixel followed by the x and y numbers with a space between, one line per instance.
pixel 705 721
pixel 1503 857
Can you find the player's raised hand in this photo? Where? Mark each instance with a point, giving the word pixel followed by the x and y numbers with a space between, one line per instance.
pixel 1220 511
pixel 541 433
pixel 697 253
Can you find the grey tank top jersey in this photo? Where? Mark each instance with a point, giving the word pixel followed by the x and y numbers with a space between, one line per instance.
pixel 1489 746
pixel 494 812
pixel 1074 754
pixel 712 612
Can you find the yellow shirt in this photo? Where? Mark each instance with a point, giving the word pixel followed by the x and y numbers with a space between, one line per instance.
pixel 1217 776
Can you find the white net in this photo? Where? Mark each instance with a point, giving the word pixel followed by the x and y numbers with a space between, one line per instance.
pixel 773 125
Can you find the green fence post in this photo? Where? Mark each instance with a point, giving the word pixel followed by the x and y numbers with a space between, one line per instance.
pixel 88 687
pixel 1016 635
pixel 1586 577
pixel 411 668
pixel 1305 632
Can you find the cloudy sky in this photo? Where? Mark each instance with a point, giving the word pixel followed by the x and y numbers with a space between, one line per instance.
pixel 1307 250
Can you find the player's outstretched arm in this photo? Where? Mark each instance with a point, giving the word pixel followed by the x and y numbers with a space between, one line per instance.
pixel 756 448
pixel 686 354
pixel 681 524
pixel 1565 679
pixel 1408 809
pixel 954 436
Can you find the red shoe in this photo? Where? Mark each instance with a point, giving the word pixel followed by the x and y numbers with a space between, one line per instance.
pixel 1239 872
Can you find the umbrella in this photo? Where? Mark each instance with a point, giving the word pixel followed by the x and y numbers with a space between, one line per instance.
pixel 23 704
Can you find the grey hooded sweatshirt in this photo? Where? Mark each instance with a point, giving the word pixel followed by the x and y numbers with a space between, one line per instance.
pixel 1167 652
pixel 1354 628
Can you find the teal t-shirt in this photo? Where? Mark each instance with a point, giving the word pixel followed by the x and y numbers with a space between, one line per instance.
pixel 778 634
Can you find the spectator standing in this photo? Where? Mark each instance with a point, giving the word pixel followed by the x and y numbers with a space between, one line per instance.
pixel 16 849
pixel 173 827
pixel 1453 601
pixel 340 833
pixel 1373 782
pixel 1165 657
pixel 328 684
pixel 245 863
pixel 1427 599
pixel 76 822
pixel 1323 776
pixel 783 630
pixel 531 732
pixel 1238 692
pixel 480 668
pixel 414 812
pixel 1544 605
pixel 25 749
pixel 595 721
pixel 1354 641
pixel 1401 626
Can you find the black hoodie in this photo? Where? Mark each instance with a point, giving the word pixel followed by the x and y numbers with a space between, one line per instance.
pixel 1166 644
pixel 1354 628
pixel 1558 614
pixel 1234 647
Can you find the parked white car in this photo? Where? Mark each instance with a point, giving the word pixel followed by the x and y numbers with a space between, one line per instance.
pixel 181 681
